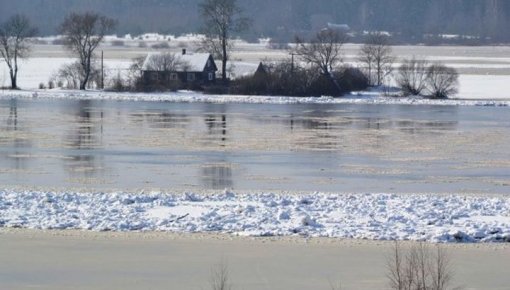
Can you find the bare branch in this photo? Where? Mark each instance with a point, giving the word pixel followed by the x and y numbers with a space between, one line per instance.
pixel 323 51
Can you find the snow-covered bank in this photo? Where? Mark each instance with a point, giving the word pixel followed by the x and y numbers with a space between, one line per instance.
pixel 195 97
pixel 434 218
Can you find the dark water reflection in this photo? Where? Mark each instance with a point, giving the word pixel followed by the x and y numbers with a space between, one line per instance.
pixel 12 134
pixel 125 145
pixel 84 136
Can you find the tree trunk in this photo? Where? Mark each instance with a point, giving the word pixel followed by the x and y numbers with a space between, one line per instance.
pixel 83 84
pixel 224 63
pixel 14 81
pixel 335 83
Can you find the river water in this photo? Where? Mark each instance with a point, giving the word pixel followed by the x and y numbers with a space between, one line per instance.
pixel 110 145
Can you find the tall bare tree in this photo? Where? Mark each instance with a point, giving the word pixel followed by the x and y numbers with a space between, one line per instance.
pixel 323 51
pixel 376 56
pixel 221 19
pixel 15 34
pixel 83 32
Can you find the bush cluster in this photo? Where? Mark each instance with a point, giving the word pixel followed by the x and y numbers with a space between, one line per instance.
pixel 286 79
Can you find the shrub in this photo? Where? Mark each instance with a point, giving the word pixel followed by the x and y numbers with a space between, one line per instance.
pixel 442 81
pixel 69 76
pixel 411 76
pixel 286 79
pixel 352 79
pixel 420 268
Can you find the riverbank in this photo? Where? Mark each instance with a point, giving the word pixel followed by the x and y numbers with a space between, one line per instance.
pixel 93 260
pixel 361 98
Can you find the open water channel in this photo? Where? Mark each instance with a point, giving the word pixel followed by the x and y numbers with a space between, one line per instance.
pixel 111 145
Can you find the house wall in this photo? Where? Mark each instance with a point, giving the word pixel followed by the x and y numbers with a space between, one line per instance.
pixel 159 78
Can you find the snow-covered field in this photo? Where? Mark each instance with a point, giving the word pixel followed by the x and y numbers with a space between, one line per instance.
pixel 435 218
pixel 484 71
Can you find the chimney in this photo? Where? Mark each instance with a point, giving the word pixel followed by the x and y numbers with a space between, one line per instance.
pixel 183 51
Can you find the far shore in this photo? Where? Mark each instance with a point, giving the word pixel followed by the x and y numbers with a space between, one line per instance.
pixel 160 260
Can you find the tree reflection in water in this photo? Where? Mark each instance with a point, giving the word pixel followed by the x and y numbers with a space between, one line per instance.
pixel 217 176
pixel 83 140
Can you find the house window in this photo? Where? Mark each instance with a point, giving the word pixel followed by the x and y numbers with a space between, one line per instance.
pixel 211 76
pixel 173 76
pixel 191 77
pixel 154 76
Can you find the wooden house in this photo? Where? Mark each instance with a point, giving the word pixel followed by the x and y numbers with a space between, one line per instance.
pixel 165 69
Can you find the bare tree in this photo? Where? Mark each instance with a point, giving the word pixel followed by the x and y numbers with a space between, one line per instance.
pixel 220 277
pixel 14 43
pixel 82 35
pixel 412 76
pixel 323 51
pixel 420 268
pixel 166 62
pixel 376 55
pixel 442 81
pixel 221 19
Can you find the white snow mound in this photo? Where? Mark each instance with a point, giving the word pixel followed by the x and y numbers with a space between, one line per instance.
pixel 433 218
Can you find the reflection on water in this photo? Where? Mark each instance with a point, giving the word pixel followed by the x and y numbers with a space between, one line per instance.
pixel 13 135
pixel 12 120
pixel 83 137
pixel 217 176
pixel 215 119
pixel 217 126
pixel 217 146
pixel 161 119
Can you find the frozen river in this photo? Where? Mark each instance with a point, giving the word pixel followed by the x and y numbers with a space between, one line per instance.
pixel 108 145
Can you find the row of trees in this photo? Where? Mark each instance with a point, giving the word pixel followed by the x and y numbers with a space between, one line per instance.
pixel 484 20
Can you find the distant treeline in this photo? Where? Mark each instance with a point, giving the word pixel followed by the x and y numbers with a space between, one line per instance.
pixel 409 20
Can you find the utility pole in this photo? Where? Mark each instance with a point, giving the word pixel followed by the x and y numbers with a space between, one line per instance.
pixel 292 63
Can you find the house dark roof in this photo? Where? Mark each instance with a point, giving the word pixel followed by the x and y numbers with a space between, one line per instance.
pixel 196 61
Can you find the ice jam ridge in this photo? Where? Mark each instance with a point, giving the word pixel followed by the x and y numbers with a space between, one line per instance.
pixel 433 218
